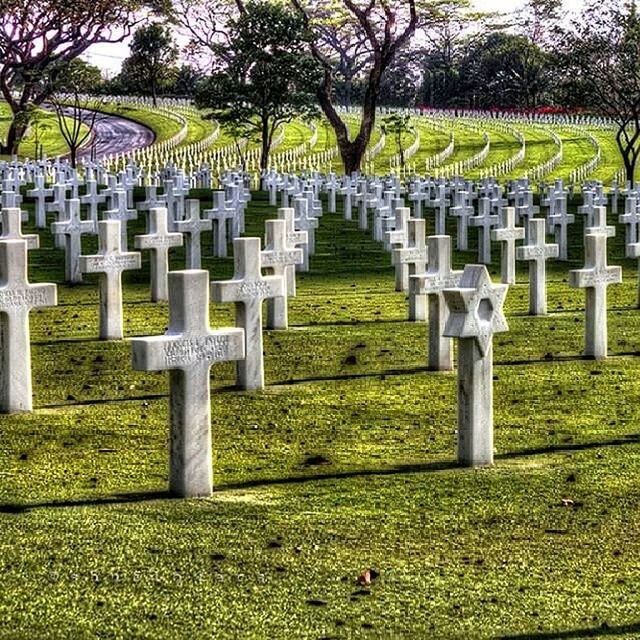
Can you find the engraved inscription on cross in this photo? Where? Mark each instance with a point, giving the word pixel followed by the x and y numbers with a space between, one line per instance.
pixel 248 289
pixel 187 350
pixel 17 298
pixel 595 277
pixel 110 262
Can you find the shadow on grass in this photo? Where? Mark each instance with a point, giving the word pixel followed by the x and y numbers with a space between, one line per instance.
pixel 401 469
pixel 599 632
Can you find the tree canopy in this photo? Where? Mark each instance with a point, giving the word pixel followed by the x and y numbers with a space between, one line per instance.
pixel 266 78
pixel 38 38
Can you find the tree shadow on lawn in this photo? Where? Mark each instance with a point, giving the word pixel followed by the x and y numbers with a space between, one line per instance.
pixel 401 469
pixel 599 632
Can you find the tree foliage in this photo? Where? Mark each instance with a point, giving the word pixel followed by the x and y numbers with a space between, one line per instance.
pixel 382 28
pixel 266 77
pixel 151 66
pixel 38 38
pixel 601 58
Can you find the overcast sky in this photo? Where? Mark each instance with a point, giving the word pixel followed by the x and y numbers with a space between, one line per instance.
pixel 110 56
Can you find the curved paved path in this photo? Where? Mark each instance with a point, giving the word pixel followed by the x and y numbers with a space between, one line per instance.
pixel 114 134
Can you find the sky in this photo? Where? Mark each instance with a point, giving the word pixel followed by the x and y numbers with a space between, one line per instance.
pixel 109 57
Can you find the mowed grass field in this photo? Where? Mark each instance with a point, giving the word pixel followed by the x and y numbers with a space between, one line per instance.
pixel 345 462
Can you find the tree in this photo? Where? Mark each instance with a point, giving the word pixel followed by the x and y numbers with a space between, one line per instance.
pixel 38 38
pixel 267 78
pixel 398 124
pixel 207 24
pixel 602 53
pixel 153 56
pixel 386 27
pixel 505 70
pixel 75 113
pixel 186 81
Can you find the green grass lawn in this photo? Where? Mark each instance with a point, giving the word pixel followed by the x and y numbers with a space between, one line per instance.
pixel 345 462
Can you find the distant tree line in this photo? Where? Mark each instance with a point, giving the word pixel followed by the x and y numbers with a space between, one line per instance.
pixel 255 64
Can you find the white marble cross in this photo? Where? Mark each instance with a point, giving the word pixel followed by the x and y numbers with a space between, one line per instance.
pixel 537 252
pixel 220 213
pixel 485 221
pixel 12 228
pixel 398 239
pixel 414 255
pixel 110 262
pixel 72 229
pixel 158 240
pixel 587 207
pixel 599 221
pixel 559 220
pixel 279 258
pixel 187 350
pixel 595 277
pixel 294 239
pixel 348 190
pixel 40 194
pixel 507 235
pixel 93 198
pixel 475 315
pixel 440 204
pixel 248 289
pixel 463 210
pixel 630 218
pixel 438 277
pixel 17 298
pixel 191 228
pixel 305 222
pixel 121 212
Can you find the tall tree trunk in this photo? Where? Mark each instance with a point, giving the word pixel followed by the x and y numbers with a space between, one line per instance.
pixel 15 135
pixel 154 96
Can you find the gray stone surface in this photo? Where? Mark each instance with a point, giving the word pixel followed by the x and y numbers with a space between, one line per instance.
pixel 12 228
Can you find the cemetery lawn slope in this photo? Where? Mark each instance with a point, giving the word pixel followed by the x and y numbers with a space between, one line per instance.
pixel 344 463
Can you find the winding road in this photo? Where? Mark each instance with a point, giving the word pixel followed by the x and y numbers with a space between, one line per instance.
pixel 113 134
